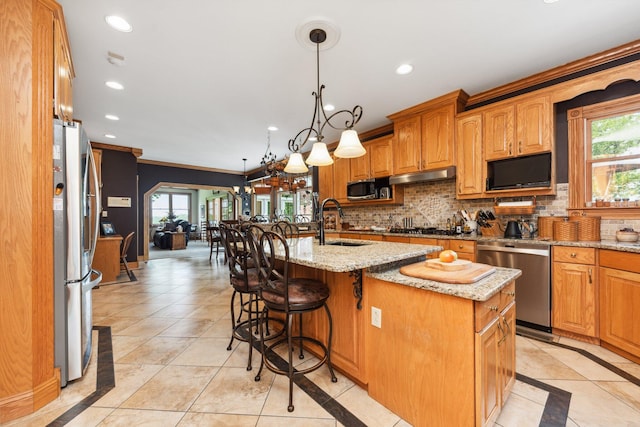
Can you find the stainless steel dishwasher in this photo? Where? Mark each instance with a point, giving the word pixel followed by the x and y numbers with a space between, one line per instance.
pixel 533 288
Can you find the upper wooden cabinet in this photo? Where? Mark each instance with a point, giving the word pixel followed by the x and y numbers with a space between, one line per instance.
pixel 469 174
pixel 325 182
pixel 378 162
pixel 341 175
pixel 519 128
pixel 62 74
pixel 424 134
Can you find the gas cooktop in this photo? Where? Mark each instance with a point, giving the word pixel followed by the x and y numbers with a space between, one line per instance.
pixel 422 230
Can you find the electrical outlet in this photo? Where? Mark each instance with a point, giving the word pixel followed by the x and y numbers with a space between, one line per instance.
pixel 376 317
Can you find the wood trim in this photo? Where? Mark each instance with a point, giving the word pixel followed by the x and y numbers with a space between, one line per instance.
pixel 620 351
pixel 576 155
pixel 559 72
pixel 135 151
pixel 22 404
pixel 596 81
pixel 577 172
pixel 577 337
pixel 178 165
pixel 459 96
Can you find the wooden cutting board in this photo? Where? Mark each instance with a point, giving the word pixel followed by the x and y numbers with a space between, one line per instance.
pixel 459 264
pixel 467 276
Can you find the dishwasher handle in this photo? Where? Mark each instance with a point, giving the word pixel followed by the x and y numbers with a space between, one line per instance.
pixel 538 252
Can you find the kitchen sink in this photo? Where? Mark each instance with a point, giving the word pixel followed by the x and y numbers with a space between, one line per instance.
pixel 339 243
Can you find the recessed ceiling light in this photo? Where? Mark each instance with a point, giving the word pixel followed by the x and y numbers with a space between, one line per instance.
pixel 114 85
pixel 404 69
pixel 111 117
pixel 118 23
pixel 110 136
pixel 550 1
pixel 272 128
pixel 329 107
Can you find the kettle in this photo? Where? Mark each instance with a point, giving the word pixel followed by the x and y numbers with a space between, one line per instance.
pixel 512 230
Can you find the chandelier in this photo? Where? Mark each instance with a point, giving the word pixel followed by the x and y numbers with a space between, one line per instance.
pixel 349 145
pixel 247 187
pixel 272 166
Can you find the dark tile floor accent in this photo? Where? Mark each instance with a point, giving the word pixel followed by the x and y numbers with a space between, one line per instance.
pixel 339 412
pixel 105 380
pixel 556 408
pixel 624 374
pixel 555 413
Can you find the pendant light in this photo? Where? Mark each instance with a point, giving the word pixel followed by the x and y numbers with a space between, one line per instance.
pixel 349 145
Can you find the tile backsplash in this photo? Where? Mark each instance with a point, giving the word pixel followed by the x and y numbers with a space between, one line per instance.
pixel 430 204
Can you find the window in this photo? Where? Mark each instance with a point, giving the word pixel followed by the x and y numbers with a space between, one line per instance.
pixel 291 205
pixel 170 206
pixel 604 155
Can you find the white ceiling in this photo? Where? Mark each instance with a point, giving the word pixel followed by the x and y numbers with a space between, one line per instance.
pixel 204 78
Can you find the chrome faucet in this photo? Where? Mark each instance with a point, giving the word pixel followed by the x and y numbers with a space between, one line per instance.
pixel 321 219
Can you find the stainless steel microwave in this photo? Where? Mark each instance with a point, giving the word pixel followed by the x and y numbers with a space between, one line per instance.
pixel 367 189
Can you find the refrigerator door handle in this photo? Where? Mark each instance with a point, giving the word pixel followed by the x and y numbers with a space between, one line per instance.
pixel 98 203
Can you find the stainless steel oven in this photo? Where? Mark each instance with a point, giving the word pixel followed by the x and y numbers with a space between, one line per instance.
pixel 533 288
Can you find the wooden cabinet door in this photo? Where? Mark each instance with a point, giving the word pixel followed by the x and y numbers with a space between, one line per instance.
pixel 619 315
pixel 499 133
pixel 381 157
pixel 406 146
pixel 533 125
pixel 62 78
pixel 469 176
pixel 325 182
pixel 341 176
pixel 507 352
pixel 437 148
pixel 488 374
pixel 574 298
pixel 360 166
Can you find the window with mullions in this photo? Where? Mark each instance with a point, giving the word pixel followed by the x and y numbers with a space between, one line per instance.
pixel 604 154
pixel 613 150
pixel 170 206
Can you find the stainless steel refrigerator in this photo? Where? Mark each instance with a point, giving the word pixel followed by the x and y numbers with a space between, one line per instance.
pixel 76 212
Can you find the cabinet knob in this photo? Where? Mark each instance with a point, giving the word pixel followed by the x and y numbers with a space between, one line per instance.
pixel 460 246
pixel 510 293
pixel 573 254
pixel 590 276
pixel 493 307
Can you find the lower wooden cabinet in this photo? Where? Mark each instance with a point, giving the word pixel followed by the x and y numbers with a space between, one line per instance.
pixel 574 291
pixel 619 301
pixel 466 249
pixel 495 358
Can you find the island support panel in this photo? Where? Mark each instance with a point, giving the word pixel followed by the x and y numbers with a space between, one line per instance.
pixel 421 362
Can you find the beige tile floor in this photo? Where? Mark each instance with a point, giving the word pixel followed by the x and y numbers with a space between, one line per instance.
pixel 170 331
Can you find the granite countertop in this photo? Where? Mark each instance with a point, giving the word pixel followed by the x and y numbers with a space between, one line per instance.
pixel 341 259
pixel 601 244
pixel 481 290
pixel 382 260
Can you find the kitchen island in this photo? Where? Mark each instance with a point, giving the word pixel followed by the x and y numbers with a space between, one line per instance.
pixel 444 354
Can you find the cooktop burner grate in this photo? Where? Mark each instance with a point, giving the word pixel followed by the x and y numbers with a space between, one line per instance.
pixel 422 230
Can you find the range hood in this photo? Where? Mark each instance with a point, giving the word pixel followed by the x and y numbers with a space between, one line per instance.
pixel 433 175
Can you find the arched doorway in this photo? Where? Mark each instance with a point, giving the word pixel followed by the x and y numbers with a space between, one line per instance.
pixel 147 205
